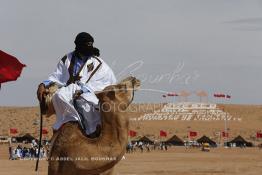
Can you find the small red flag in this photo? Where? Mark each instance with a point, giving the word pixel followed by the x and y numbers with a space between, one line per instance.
pixel 44 131
pixel 172 94
pixel 192 133
pixel 163 133
pixel 218 95
pixel 259 134
pixel 132 133
pixel 10 67
pixel 222 96
pixel 225 134
pixel 13 131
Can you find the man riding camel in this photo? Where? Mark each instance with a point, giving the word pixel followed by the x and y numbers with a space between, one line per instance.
pixel 79 74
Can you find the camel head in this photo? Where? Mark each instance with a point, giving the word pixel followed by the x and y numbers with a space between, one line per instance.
pixel 49 108
pixel 116 98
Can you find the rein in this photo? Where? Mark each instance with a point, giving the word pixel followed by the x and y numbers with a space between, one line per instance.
pixel 40 136
pixel 133 92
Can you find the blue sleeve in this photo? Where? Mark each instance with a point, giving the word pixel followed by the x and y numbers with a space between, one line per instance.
pixel 47 82
pixel 83 87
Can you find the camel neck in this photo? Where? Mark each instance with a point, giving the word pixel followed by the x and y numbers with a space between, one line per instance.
pixel 115 126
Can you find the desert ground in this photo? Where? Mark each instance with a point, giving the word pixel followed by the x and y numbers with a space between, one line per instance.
pixel 176 160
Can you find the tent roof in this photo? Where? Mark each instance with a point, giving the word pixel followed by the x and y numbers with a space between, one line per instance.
pixel 175 138
pixel 205 139
pixel 239 139
pixel 143 139
pixel 25 137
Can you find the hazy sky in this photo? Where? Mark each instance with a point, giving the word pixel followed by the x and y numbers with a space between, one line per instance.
pixel 170 45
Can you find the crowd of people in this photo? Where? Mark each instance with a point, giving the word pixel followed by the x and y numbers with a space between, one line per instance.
pixel 27 152
pixel 145 146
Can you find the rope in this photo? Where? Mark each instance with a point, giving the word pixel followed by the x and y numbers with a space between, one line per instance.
pixel 40 137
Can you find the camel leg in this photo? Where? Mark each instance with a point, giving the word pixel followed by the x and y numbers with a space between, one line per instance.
pixel 109 172
pixel 53 168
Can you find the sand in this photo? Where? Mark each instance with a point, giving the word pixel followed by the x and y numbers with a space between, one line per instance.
pixel 175 161
pixel 25 119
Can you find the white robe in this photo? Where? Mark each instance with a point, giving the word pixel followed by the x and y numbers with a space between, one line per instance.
pixel 63 101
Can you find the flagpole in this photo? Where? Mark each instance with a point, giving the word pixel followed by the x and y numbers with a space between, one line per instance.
pixel 188 135
pixel 226 134
pixel 219 138
pixel 225 123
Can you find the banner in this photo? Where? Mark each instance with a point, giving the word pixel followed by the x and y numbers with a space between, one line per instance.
pixel 10 67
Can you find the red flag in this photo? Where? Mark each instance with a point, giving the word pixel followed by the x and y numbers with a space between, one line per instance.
pixel 225 134
pixel 44 131
pixel 259 134
pixel 132 133
pixel 10 67
pixel 222 96
pixel 163 133
pixel 218 95
pixel 172 94
pixel 192 133
pixel 13 131
pixel 228 96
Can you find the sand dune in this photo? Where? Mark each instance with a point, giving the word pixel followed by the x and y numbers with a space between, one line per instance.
pixel 25 119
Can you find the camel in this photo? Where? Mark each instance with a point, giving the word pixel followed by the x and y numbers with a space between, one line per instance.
pixel 73 153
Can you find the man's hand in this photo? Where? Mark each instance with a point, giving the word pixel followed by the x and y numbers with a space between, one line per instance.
pixel 41 91
pixel 77 94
